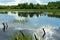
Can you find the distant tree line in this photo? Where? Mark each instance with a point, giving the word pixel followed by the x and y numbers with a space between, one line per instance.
pixel 50 5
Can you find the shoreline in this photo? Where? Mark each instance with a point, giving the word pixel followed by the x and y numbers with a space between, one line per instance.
pixel 37 11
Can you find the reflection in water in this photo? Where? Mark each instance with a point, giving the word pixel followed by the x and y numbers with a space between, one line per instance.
pixel 17 18
pixel 35 22
pixel 3 12
pixel 26 14
pixel 51 15
pixel 38 14
pixel 30 14
pixel 13 13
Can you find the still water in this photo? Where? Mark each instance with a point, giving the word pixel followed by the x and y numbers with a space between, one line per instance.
pixel 30 21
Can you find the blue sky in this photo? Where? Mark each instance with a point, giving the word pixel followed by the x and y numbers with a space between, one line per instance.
pixel 15 2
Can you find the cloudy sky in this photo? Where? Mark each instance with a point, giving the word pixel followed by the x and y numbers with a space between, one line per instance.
pixel 15 2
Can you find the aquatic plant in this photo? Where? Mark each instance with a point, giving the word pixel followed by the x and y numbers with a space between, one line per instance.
pixel 21 37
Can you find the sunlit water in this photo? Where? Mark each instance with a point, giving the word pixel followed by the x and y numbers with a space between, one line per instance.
pixel 34 23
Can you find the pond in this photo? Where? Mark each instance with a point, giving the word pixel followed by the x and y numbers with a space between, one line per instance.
pixel 30 21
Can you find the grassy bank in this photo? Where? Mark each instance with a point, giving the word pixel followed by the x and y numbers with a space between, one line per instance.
pixel 32 10
pixel 49 11
pixel 53 10
pixel 21 10
pixel 21 37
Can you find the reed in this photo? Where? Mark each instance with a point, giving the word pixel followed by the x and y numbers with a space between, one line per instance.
pixel 35 37
pixel 21 36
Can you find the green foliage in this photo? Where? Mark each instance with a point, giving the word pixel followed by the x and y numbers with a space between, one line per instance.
pixel 50 5
pixel 54 5
pixel 20 37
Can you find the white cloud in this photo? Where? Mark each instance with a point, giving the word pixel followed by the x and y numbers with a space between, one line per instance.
pixel 38 1
pixel 15 2
pixel 8 3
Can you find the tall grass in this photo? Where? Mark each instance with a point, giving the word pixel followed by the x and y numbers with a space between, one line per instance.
pixel 19 36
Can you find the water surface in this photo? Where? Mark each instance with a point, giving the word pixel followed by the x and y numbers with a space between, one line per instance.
pixel 30 21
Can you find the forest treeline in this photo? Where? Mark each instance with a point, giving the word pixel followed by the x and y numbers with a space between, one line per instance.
pixel 50 5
